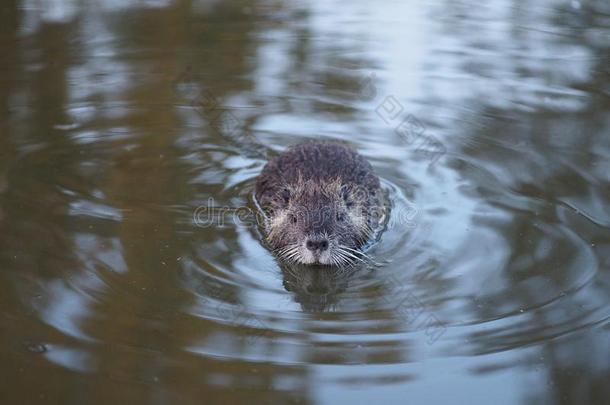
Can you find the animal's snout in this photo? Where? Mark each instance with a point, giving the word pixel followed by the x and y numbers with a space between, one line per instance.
pixel 314 244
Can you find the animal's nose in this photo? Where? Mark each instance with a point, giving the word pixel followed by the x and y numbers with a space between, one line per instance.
pixel 317 244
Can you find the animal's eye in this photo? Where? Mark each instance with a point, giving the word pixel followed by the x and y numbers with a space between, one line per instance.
pixel 293 219
pixel 340 216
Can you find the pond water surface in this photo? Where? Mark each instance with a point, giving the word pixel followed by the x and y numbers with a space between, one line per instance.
pixel 130 137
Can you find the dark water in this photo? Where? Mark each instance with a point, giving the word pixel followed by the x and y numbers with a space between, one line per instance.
pixel 489 124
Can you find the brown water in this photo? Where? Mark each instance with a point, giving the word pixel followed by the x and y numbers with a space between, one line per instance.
pixel 489 125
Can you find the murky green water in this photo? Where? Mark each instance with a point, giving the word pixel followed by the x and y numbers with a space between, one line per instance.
pixel 122 123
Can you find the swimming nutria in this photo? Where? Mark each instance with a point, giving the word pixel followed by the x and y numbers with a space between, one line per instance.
pixel 322 202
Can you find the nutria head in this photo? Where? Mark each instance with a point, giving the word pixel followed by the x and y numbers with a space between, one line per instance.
pixel 320 221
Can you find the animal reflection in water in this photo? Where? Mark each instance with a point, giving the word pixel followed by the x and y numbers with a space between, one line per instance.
pixel 316 289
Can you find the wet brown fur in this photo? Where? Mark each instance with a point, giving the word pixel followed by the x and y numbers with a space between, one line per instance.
pixel 319 188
